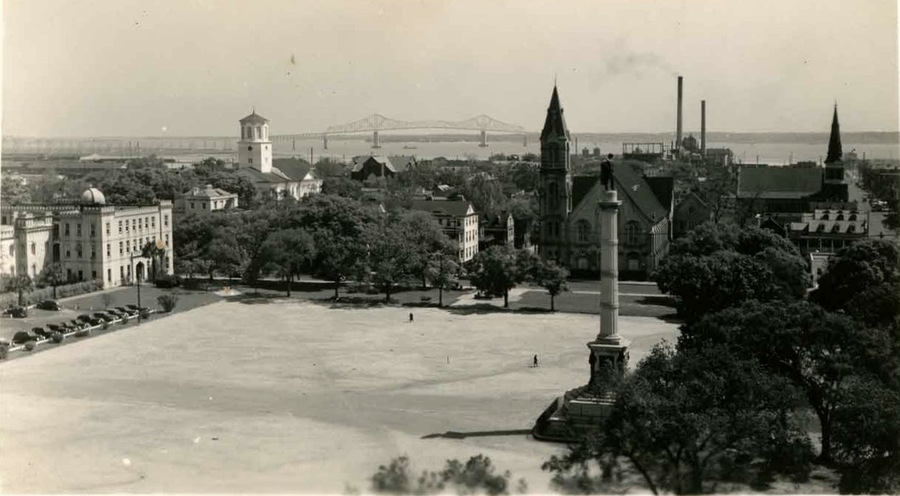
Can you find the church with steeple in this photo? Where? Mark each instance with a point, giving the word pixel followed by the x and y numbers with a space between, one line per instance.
pixel 569 216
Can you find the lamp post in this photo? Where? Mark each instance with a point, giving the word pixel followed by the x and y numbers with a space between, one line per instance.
pixel 137 277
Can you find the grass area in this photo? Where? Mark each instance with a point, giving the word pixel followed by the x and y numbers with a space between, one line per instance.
pixel 287 396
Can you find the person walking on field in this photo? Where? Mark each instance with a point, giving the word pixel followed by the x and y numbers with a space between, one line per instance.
pixel 535 361
pixel 410 316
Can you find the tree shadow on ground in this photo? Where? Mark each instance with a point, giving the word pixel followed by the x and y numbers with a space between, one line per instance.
pixel 671 318
pixel 255 298
pixel 486 308
pixel 657 300
pixel 463 435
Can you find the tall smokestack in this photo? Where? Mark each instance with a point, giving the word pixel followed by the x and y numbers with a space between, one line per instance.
pixel 678 128
pixel 703 128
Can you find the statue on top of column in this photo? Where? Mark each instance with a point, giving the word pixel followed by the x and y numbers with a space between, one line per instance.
pixel 606 175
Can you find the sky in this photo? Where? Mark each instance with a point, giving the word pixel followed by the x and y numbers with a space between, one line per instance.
pixel 79 68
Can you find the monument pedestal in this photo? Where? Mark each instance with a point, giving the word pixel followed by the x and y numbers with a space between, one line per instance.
pixel 582 409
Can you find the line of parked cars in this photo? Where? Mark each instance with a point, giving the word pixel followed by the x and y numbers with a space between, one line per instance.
pixel 84 321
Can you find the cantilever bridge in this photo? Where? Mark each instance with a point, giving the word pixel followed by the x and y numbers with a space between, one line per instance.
pixel 377 122
pixel 136 146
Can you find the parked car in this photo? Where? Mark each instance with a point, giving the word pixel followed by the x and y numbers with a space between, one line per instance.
pixel 49 305
pixel 117 313
pixel 23 337
pixel 103 316
pixel 127 311
pixel 40 331
pixel 79 324
pixel 134 308
pixel 90 320
pixel 17 312
pixel 56 327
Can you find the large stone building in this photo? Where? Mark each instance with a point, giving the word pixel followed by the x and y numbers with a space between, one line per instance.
pixel 90 239
pixel 569 227
pixel 458 220
pixel 281 177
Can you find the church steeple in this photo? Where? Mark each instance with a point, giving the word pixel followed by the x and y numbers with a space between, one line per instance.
pixel 834 143
pixel 555 123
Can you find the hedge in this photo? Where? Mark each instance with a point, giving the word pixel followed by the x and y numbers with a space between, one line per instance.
pixel 12 299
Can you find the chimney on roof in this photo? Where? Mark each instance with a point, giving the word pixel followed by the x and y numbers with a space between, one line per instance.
pixel 678 126
pixel 703 128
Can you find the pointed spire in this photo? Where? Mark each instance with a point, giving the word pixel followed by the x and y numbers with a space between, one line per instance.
pixel 555 124
pixel 834 142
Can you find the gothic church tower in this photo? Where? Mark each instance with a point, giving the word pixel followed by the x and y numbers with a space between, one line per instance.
pixel 555 195
pixel 834 165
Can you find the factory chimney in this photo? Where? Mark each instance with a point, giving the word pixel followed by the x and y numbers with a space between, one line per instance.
pixel 703 128
pixel 678 127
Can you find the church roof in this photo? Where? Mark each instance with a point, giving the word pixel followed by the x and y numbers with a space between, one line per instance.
pixel 628 183
pixel 663 188
pixel 778 182
pixel 256 176
pixel 834 142
pixel 294 168
pixel 254 118
pixel 555 124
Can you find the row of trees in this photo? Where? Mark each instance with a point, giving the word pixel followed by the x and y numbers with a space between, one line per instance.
pixel 143 181
pixel 330 237
pixel 729 401
pixel 499 269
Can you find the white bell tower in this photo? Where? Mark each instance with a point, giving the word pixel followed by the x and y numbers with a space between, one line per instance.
pixel 255 148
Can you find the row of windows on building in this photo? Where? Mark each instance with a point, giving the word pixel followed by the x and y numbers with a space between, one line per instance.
pixel 127 225
pixel 12 248
pixel 125 247
pixel 258 132
pixel 632 234
pixel 470 220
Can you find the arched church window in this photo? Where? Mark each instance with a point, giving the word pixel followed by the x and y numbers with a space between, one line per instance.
pixel 632 231
pixel 583 230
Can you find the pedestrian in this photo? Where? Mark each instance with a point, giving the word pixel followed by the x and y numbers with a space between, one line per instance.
pixel 535 361
pixel 410 316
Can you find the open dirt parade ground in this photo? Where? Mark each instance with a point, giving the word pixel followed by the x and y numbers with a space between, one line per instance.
pixel 287 396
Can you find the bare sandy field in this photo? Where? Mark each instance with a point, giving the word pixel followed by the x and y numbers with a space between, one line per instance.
pixel 290 397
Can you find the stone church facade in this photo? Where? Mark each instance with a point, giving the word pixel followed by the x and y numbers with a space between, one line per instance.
pixel 570 228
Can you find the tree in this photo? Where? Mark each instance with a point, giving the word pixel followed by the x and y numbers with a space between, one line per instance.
pixel 819 351
pixel 226 255
pixel 685 421
pixel 341 186
pixel 442 269
pixel 861 279
pixel 328 167
pixel 477 476
pixel 167 302
pixel 53 275
pixel 717 189
pixel 496 270
pixel 391 256
pixel 156 252
pixel 338 226
pixel 552 277
pixel 290 252
pixel 20 284
pixel 717 266
pixel 13 189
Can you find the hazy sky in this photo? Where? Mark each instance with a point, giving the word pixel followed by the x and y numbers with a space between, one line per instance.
pixel 176 67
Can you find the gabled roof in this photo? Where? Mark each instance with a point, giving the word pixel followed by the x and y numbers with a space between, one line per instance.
pixel 663 188
pixel 294 168
pixel 446 207
pixel 581 186
pixel 254 118
pixel 778 182
pixel 555 123
pixel 630 183
pixel 403 162
pixel 360 161
pixel 254 175
pixel 207 191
